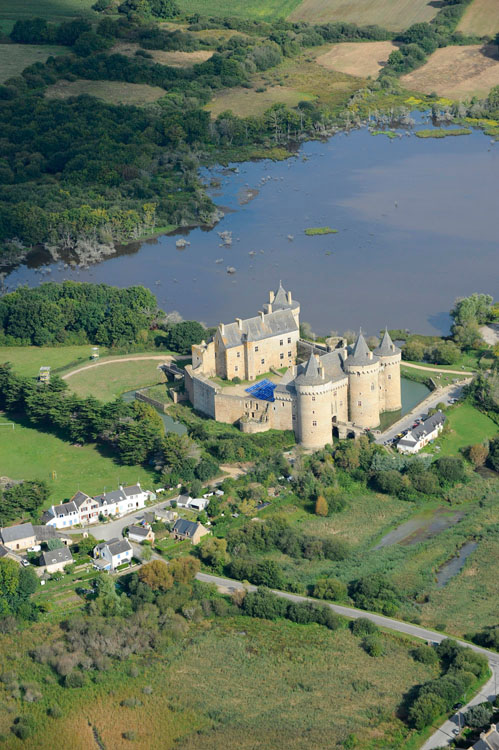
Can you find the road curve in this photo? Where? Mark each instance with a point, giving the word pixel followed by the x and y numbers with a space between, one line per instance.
pixel 163 357
pixel 443 734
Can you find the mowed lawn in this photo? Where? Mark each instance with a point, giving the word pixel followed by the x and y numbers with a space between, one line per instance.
pixel 27 360
pixel 467 427
pixel 481 18
pixel 107 381
pixel 49 9
pixel 27 453
pixel 263 10
pixel 14 58
pixel 114 92
pixel 457 72
pixel 391 14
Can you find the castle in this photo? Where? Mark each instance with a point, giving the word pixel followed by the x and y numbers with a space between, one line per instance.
pixel 337 389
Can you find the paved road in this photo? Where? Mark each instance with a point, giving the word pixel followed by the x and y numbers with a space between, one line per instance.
pixel 441 395
pixel 442 735
pixel 107 531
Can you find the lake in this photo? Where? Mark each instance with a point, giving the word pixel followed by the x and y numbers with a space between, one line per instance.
pixel 416 221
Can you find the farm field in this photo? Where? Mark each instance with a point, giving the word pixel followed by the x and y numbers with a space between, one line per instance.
pixel 467 426
pixel 30 454
pixel 106 382
pixel 176 59
pixel 457 72
pixel 15 57
pixel 264 684
pixel 50 9
pixel 114 92
pixel 391 14
pixel 262 10
pixel 480 18
pixel 357 58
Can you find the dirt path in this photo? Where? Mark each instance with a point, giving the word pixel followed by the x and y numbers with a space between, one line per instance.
pixel 437 369
pixel 490 333
pixel 163 357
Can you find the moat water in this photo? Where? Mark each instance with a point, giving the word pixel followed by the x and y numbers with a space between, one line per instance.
pixel 416 221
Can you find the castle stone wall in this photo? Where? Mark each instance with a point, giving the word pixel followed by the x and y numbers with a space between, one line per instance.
pixel 315 427
pixel 390 389
pixel 363 397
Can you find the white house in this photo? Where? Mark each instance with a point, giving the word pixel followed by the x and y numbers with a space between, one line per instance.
pixel 198 503
pixel 141 534
pixel 109 555
pixel 421 435
pixel 83 509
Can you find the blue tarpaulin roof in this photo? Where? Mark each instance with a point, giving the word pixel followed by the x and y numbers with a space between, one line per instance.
pixel 263 390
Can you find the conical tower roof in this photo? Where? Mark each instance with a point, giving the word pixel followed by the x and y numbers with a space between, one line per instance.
pixel 360 353
pixel 281 301
pixel 310 375
pixel 387 348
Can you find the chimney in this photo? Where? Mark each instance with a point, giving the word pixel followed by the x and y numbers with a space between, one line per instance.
pixel 370 355
pixel 271 297
pixel 289 298
pixel 268 307
pixel 222 329
pixel 203 343
pixel 239 323
pixel 321 371
pixel 262 315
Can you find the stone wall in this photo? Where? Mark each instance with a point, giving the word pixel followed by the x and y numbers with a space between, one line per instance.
pixel 390 391
pixel 201 392
pixel 363 397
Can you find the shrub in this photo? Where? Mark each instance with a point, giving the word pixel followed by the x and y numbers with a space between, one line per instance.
pixel 74 680
pixel 321 507
pixel 54 711
pixel 373 645
pixel 425 710
pixel 330 588
pixel 130 735
pixel 425 654
pixel 363 626
pixel 479 716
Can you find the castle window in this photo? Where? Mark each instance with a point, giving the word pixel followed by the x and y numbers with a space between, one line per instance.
pixel 281 342
pixel 263 361
pixel 390 376
pixel 239 354
pixel 281 355
pixel 358 374
pixel 289 339
pixel 256 348
pixel 314 423
pixel 359 403
pixel 313 398
pixel 372 386
pixel 236 368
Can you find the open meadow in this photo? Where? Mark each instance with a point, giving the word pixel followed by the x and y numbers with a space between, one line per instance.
pixel 457 72
pixel 15 57
pixel 480 18
pixel 27 360
pixel 175 58
pixel 27 453
pixel 261 10
pixel 114 92
pixel 107 381
pixel 236 682
pixel 394 15
pixel 357 58
pixel 53 10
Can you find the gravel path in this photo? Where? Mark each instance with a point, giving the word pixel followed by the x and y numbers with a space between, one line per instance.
pixel 164 358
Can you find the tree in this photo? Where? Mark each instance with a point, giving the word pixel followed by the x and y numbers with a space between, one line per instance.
pixel 156 575
pixel 450 469
pixel 445 353
pixel 55 544
pixel 321 508
pixel 425 709
pixel 213 551
pixel 375 592
pixel 473 309
pixel 479 716
pixel 413 351
pixel 478 454
pixel 330 588
pixel 363 626
pixel 467 336
pixel 183 335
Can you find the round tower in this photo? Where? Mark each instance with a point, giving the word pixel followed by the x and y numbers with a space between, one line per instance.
pixel 313 397
pixel 389 377
pixel 363 368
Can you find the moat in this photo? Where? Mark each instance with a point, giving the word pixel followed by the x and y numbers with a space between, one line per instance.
pixel 416 229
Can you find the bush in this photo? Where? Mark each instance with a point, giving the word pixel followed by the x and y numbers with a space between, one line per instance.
pixel 363 626
pixel 479 716
pixel 54 711
pixel 426 655
pixel 330 588
pixel 373 645
pixel 74 680
pixel 375 592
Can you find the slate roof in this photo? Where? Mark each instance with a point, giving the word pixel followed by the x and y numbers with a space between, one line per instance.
pixel 186 528
pixel 281 300
pixel 275 323
pixel 423 429
pixel 79 498
pixel 56 556
pixel 488 740
pixel 387 347
pixel 110 497
pixel 14 533
pixel 133 489
pixel 333 365
pixel 44 533
pixel 360 353
pixel 63 510
pixel 139 530
pixel 310 374
pixel 117 546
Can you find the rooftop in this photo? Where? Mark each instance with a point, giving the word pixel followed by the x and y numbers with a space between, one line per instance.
pixel 260 327
pixel 360 354
pixel 14 533
pixel 186 528
pixel 387 347
pixel 56 556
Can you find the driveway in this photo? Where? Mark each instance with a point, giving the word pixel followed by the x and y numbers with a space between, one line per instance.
pixel 107 531
pixel 441 395
pixel 442 735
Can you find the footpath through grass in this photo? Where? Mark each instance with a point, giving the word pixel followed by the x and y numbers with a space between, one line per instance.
pixel 27 453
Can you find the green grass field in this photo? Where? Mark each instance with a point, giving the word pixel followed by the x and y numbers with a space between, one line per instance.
pixel 27 360
pixel 15 57
pixel 263 10
pixel 29 454
pixel 236 682
pixel 108 381
pixel 391 14
pixel 50 9
pixel 467 426
pixel 480 18
pixel 114 92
